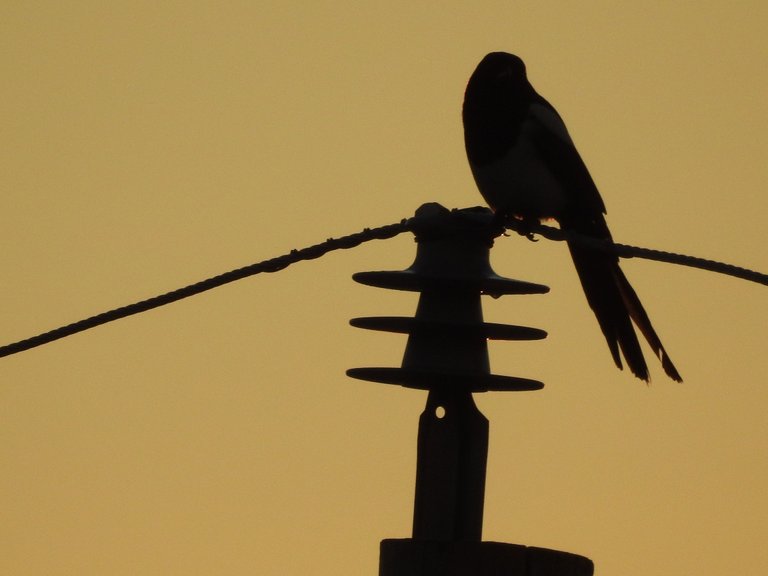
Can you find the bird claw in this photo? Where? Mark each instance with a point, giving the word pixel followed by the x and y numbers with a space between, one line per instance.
pixel 521 225
pixel 525 227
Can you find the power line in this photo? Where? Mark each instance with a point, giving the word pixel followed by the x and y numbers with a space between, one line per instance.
pixel 627 251
pixel 272 265
pixel 351 241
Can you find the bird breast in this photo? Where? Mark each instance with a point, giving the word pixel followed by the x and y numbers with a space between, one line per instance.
pixel 519 183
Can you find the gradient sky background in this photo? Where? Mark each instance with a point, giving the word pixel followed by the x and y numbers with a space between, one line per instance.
pixel 148 145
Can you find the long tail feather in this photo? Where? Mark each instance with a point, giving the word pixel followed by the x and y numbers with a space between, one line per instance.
pixel 599 274
pixel 641 320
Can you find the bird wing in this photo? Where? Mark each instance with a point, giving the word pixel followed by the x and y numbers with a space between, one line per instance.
pixel 550 136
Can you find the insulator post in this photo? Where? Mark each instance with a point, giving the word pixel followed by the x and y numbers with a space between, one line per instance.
pixel 447 355
pixel 447 339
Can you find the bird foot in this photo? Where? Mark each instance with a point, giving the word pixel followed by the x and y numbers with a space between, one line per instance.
pixel 525 226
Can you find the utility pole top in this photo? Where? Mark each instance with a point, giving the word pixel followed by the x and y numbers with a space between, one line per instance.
pixel 447 355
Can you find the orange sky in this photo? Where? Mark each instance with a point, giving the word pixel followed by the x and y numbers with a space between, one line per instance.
pixel 147 146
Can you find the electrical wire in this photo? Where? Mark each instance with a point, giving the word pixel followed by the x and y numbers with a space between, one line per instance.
pixel 351 241
pixel 271 265
pixel 627 251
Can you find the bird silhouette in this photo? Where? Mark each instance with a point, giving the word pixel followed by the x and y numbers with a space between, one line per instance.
pixel 527 167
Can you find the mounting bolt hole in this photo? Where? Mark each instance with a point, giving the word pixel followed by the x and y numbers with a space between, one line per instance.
pixel 440 412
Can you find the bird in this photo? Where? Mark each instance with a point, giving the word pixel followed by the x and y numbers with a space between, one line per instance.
pixel 527 168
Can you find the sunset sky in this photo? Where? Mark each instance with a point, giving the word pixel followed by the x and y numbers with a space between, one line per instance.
pixel 148 145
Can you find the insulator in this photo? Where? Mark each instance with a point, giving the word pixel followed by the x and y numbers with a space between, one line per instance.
pixel 447 338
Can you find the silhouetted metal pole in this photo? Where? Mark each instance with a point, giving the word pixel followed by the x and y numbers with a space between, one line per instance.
pixel 447 354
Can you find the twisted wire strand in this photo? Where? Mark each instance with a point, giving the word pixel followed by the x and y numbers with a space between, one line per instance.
pixel 351 241
pixel 271 265
pixel 628 251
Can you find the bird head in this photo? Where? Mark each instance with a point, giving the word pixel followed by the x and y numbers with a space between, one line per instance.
pixel 500 73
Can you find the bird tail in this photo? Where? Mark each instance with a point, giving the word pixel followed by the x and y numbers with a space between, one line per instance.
pixel 616 306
